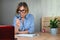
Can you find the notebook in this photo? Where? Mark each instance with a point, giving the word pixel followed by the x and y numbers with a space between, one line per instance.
pixel 25 35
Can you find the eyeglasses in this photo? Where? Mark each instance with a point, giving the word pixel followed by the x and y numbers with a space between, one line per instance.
pixel 22 11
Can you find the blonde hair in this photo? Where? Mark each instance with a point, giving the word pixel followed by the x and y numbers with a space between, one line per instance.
pixel 24 5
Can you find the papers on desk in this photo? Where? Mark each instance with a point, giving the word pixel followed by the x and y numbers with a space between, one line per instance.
pixel 25 35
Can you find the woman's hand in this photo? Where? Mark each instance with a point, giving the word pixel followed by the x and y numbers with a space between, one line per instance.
pixel 17 26
pixel 16 30
pixel 17 22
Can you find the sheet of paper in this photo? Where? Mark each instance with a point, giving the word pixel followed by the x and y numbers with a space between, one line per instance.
pixel 26 35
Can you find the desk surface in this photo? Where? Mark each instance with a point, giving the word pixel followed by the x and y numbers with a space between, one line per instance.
pixel 42 36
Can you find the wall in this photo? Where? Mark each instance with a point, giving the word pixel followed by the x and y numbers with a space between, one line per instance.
pixel 8 7
pixel 50 8
pixel 0 11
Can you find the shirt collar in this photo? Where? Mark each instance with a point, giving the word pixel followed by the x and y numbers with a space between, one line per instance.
pixel 20 16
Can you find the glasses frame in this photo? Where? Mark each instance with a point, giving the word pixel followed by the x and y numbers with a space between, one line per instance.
pixel 23 11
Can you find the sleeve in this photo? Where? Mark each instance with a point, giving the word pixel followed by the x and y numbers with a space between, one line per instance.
pixel 31 29
pixel 14 21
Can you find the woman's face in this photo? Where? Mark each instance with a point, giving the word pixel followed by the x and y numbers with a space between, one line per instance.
pixel 22 11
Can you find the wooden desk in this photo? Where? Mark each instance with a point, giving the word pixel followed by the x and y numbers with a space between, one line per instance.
pixel 42 36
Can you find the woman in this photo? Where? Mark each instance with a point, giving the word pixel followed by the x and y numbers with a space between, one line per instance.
pixel 23 21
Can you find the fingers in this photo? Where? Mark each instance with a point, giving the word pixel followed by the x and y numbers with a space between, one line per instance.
pixel 18 22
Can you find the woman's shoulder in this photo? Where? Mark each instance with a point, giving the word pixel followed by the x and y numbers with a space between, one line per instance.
pixel 29 15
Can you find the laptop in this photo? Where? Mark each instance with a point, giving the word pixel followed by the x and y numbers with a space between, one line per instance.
pixel 6 32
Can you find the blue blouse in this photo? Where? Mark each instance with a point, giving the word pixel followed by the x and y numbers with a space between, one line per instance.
pixel 28 23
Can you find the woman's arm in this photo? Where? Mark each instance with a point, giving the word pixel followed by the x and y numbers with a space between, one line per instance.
pixel 16 24
pixel 31 29
pixel 23 32
pixel 31 26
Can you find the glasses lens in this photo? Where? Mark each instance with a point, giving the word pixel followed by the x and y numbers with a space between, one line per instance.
pixel 21 10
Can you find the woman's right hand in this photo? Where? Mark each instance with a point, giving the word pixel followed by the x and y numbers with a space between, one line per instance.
pixel 17 25
pixel 17 22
